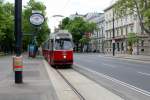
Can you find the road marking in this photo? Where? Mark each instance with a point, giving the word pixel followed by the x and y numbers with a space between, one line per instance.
pixel 116 81
pixel 87 60
pixel 108 65
pixel 146 74
pixel 63 91
pixel 127 59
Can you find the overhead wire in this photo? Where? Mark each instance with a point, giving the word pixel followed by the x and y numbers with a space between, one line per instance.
pixel 65 5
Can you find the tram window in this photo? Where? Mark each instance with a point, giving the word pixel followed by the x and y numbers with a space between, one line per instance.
pixel 63 44
pixel 51 44
pixel 67 45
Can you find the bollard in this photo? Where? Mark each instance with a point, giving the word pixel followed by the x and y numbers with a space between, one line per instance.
pixel 18 68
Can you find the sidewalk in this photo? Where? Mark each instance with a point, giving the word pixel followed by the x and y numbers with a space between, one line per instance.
pixel 36 83
pixel 133 57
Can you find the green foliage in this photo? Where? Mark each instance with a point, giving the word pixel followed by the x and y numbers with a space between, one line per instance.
pixel 84 40
pixel 78 26
pixel 7 40
pixel 6 26
pixel 41 33
pixel 132 38
pixel 146 15
pixel 140 7
pixel 65 22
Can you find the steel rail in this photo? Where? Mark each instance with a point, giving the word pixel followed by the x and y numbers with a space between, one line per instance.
pixel 71 86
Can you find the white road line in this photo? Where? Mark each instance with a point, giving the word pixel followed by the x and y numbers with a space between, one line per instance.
pixel 117 81
pixel 127 59
pixel 87 60
pixel 146 74
pixel 108 65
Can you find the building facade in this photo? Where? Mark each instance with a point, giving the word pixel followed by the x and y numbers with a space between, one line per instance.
pixel 122 27
pixel 97 37
pixel 72 16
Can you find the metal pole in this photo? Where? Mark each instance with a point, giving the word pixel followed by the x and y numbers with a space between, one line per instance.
pixel 102 41
pixel 137 47
pixel 113 35
pixel 18 36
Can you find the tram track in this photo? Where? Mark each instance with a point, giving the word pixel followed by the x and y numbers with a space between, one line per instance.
pixel 70 85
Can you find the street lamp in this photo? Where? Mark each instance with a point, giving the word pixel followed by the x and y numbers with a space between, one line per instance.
pixel 102 40
pixel 17 60
pixel 113 39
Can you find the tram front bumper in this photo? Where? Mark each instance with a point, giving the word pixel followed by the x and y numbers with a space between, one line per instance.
pixel 63 62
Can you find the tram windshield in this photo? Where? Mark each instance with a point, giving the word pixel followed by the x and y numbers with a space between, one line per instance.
pixel 63 44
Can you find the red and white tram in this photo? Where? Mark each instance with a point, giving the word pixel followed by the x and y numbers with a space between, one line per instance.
pixel 58 49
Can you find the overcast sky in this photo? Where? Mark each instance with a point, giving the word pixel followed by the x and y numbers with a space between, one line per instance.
pixel 67 7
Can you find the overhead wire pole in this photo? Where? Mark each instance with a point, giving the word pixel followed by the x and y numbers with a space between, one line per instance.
pixel 113 39
pixel 17 60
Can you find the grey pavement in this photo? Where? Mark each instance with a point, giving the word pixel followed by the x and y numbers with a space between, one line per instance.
pixel 36 83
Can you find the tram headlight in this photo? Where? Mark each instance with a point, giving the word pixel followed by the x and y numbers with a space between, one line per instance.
pixel 64 57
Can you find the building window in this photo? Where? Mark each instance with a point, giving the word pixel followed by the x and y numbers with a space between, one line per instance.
pixel 121 31
pixel 110 34
pixel 131 28
pixel 106 34
pixel 142 43
pixel 117 23
pixel 117 32
pixel 142 50
pixel 110 44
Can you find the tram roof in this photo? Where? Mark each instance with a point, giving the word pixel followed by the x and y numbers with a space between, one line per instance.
pixel 61 34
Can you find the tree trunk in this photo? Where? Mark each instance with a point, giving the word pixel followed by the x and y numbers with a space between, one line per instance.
pixel 81 47
pixel 130 50
pixel 77 49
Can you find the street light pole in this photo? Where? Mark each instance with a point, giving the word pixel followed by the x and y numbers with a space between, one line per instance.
pixel 113 40
pixel 17 60
pixel 102 40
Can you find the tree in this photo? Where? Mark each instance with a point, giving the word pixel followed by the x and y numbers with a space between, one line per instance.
pixel 7 40
pixel 64 23
pixel 77 27
pixel 140 7
pixel 84 41
pixel 42 32
pixel 131 38
pixel 6 30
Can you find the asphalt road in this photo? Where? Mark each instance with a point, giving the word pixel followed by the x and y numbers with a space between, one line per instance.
pixel 134 73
